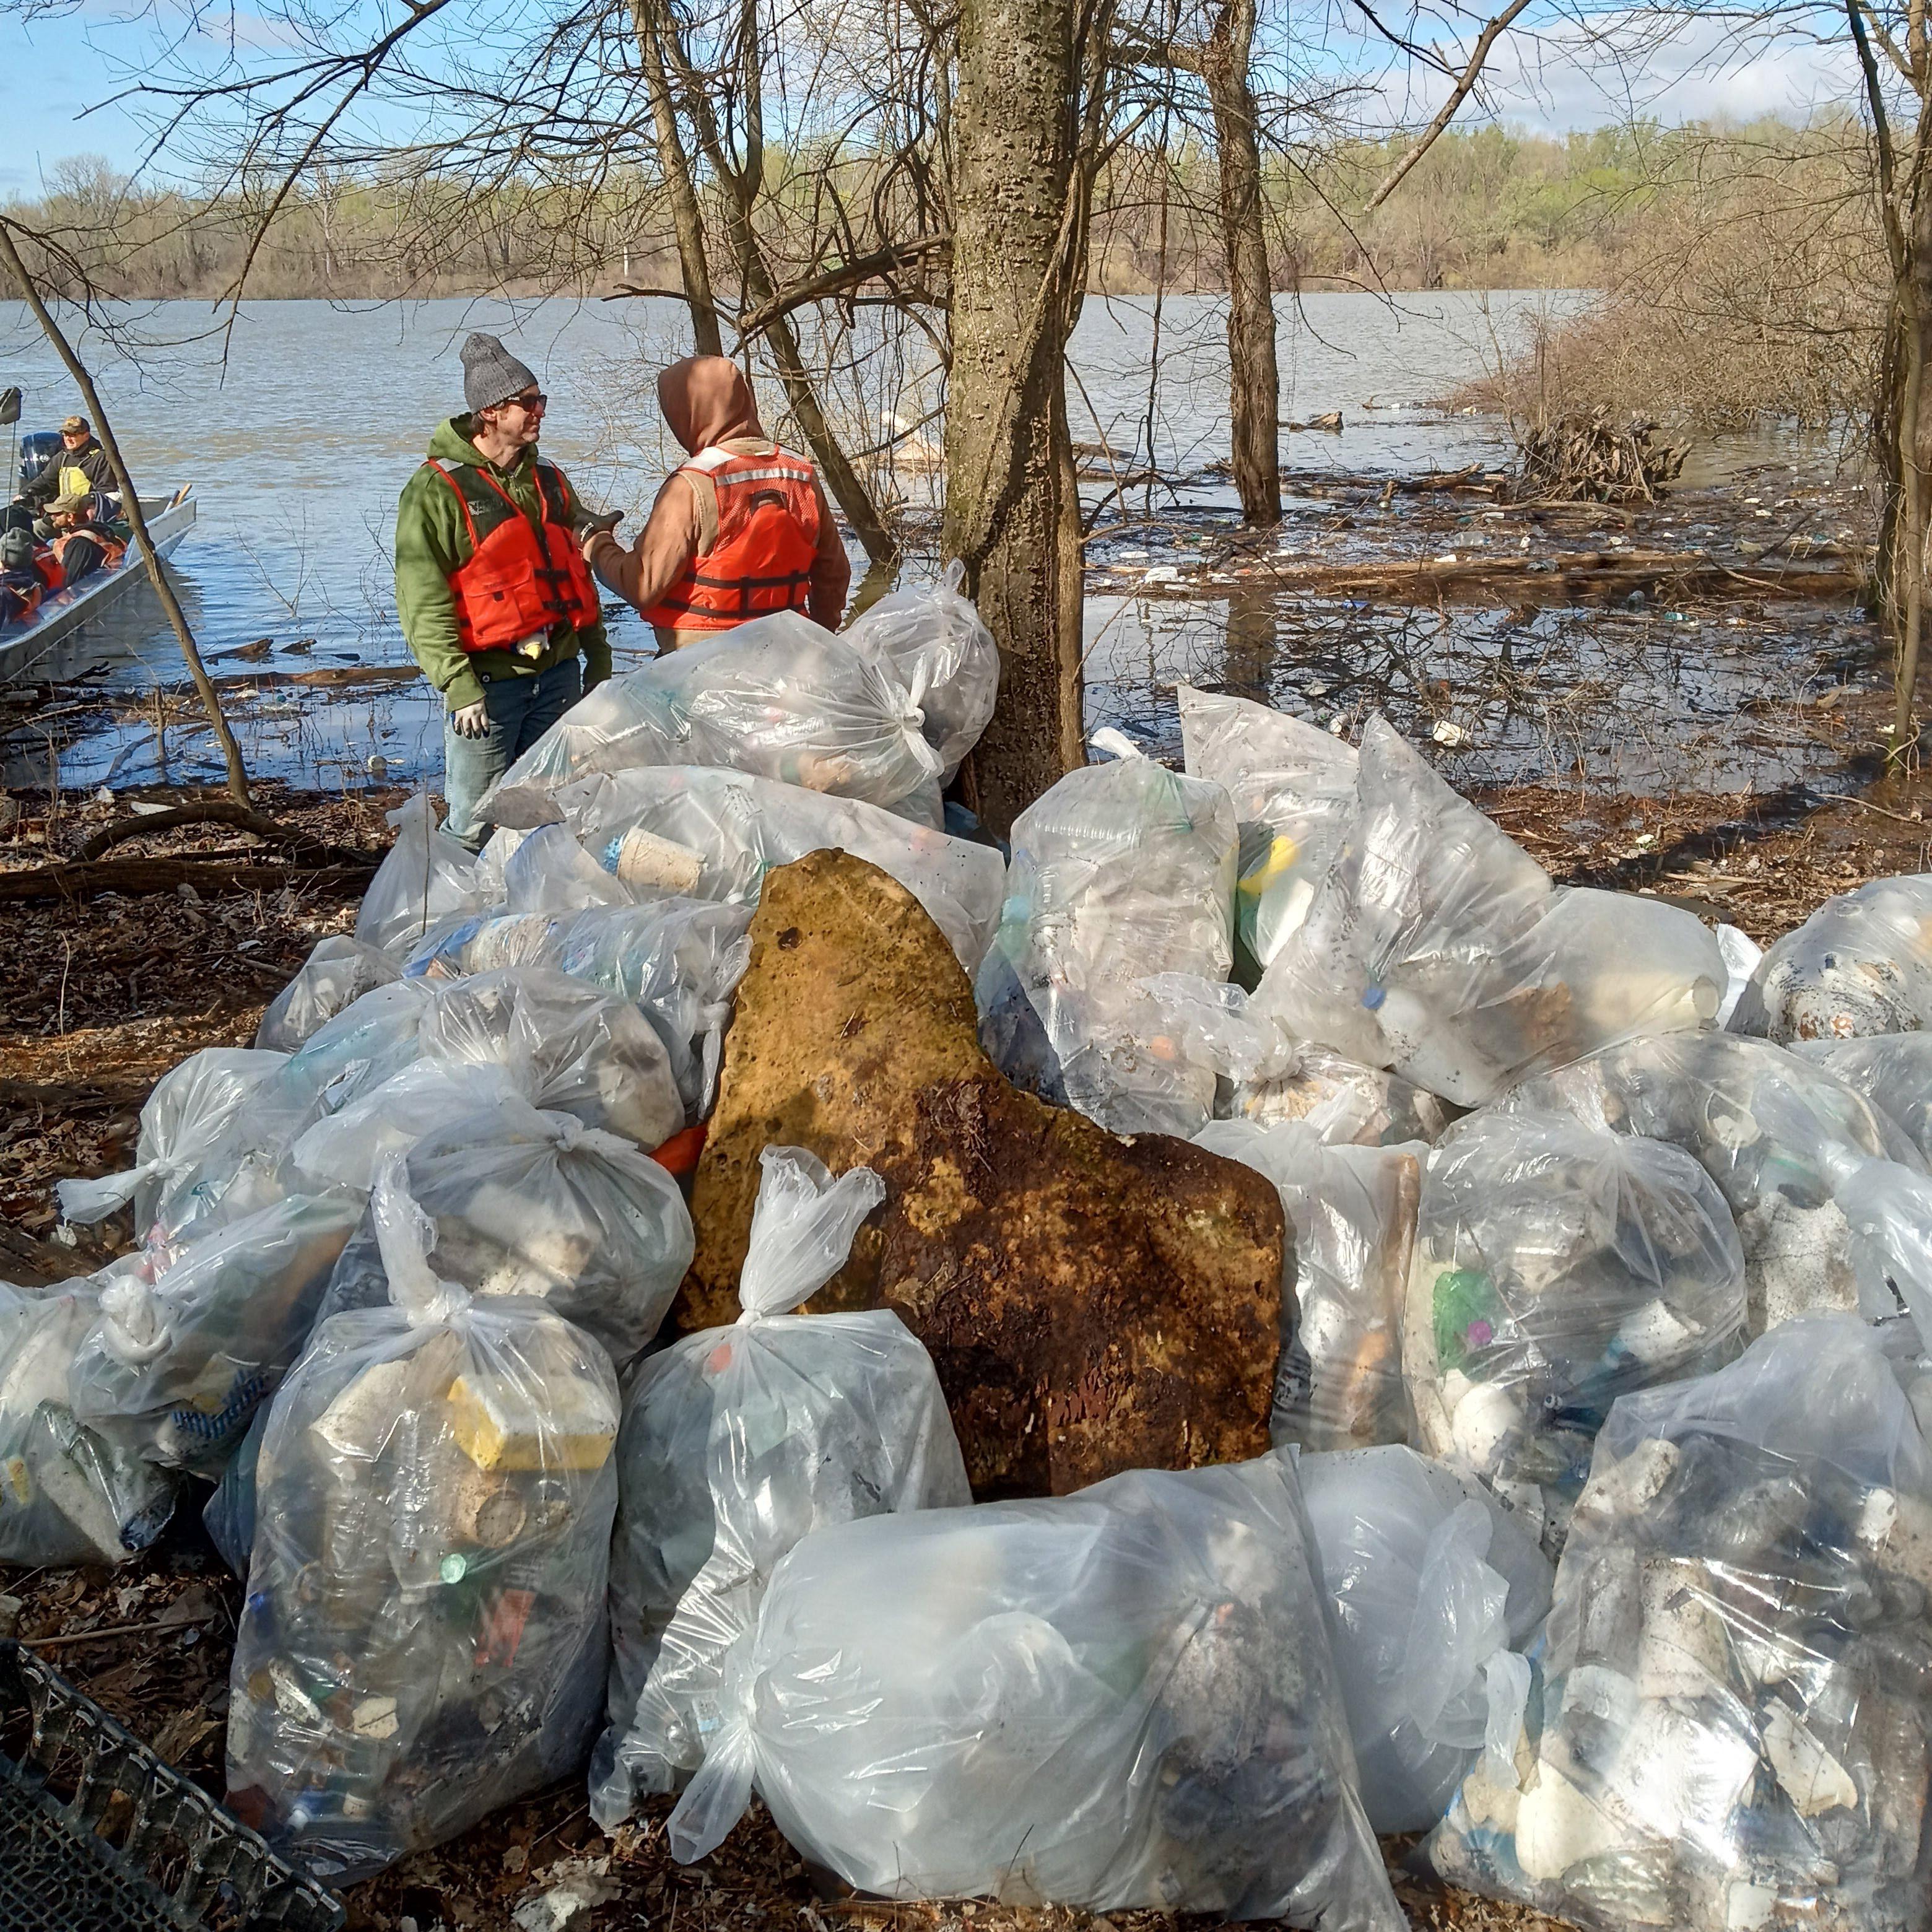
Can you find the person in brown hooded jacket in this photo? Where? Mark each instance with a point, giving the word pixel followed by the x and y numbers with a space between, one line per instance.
pixel 741 530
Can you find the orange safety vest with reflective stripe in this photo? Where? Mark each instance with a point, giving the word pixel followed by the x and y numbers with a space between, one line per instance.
pixel 515 585
pixel 760 560
pixel 112 549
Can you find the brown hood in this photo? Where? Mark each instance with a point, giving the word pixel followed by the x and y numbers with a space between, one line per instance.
pixel 706 400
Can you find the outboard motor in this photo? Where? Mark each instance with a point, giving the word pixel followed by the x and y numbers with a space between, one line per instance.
pixel 39 451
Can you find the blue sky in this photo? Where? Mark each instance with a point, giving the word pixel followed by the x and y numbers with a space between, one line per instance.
pixel 55 68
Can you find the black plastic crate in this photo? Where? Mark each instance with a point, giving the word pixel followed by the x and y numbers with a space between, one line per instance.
pixel 96 1835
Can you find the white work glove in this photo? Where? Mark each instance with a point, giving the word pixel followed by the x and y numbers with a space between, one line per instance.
pixel 471 721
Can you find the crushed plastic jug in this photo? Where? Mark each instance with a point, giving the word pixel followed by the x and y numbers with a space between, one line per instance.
pixel 1861 963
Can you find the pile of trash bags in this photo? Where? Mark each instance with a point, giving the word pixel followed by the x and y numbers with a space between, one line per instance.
pixel 1596 1541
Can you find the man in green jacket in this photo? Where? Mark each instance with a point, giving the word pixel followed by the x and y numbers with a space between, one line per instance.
pixel 496 603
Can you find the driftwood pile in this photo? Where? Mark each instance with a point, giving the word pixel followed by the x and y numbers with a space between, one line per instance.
pixel 1590 459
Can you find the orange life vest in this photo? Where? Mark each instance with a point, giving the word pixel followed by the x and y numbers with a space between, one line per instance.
pixel 760 560
pixel 515 585
pixel 112 549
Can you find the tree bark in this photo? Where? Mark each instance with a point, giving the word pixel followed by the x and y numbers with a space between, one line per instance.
pixel 1011 501
pixel 647 22
pixel 1254 381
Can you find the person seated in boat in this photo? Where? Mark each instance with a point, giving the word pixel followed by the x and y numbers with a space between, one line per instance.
pixel 83 469
pixel 741 530
pixel 83 541
pixel 26 579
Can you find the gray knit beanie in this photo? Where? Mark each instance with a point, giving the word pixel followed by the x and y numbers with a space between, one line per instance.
pixel 490 373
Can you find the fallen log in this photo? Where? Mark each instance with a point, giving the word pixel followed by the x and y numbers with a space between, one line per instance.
pixel 1537 580
pixel 137 878
pixel 197 811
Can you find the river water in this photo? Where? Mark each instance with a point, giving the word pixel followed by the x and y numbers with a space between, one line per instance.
pixel 297 430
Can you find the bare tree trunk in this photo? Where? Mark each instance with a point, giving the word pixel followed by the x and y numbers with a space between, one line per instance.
pixel 130 507
pixel 647 22
pixel 1255 382
pixel 1912 438
pixel 1012 506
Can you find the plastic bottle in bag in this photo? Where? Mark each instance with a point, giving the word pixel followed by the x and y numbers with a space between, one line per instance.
pixel 678 960
pixel 931 638
pixel 1778 1134
pixel 534 1204
pixel 190 1341
pixel 1293 788
pixel 738 1441
pixel 689 830
pixel 1557 1267
pixel 1339 1384
pixel 1436 1590
pixel 1121 871
pixel 778 697
pixel 336 974
pixel 1120 1699
pixel 68 1493
pixel 1861 963
pixel 1730 1726
pixel 1437 947
pixel 424 1638
pixel 185 1114
pixel 425 877
pixel 1340 1100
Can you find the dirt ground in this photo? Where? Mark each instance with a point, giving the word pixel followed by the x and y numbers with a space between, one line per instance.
pixel 100 997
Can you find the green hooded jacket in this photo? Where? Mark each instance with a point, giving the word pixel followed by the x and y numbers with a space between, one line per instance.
pixel 432 543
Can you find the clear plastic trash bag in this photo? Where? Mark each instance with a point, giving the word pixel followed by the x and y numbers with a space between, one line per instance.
pixel 931 638
pixel 1121 871
pixel 1558 1266
pixel 1730 1725
pixel 191 1340
pixel 424 1637
pixel 185 1114
pixel 778 697
pixel 425 877
pixel 678 960
pixel 1436 1590
pixel 1439 948
pixel 738 1441
pixel 714 835
pixel 1293 788
pixel 336 974
pixel 1777 1134
pixel 535 1204
pixel 1120 1699
pixel 1893 1071
pixel 566 1046
pixel 1861 963
pixel 1338 1384
pixel 68 1493
pixel 1341 1100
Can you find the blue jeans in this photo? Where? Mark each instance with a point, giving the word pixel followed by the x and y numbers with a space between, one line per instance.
pixel 521 710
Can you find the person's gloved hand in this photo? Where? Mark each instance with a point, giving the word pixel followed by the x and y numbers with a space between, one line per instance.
pixel 471 721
